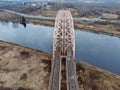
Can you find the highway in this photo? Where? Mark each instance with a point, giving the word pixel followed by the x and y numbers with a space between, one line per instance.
pixel 53 18
pixel 29 16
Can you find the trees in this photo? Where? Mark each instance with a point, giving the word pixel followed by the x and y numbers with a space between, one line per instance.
pixel 23 20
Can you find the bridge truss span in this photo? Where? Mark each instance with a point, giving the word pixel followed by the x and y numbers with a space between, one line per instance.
pixel 63 47
pixel 64 32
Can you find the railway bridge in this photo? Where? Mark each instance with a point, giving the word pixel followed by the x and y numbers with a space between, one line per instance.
pixel 63 53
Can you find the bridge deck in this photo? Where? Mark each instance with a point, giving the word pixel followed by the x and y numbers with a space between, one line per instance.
pixel 56 72
pixel 72 83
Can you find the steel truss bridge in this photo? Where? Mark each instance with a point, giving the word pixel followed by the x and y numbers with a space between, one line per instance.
pixel 63 50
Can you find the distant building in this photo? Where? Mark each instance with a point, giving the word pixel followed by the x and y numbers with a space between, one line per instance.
pixel 33 4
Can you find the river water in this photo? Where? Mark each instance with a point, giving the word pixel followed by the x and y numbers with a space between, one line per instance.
pixel 96 49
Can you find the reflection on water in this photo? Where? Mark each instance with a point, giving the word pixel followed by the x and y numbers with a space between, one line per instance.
pixel 38 37
pixel 14 24
pixel 96 49
pixel 99 50
pixel 24 24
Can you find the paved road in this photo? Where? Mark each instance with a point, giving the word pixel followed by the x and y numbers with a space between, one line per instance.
pixel 29 16
pixel 53 18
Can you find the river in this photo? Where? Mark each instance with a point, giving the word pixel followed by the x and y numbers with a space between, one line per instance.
pixel 96 49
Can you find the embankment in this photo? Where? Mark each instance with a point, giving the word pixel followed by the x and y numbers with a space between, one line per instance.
pixel 23 68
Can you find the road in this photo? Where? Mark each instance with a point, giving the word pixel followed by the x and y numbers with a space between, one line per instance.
pixel 29 16
pixel 53 18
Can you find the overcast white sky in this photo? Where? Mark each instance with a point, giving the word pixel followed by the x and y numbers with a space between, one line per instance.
pixel 70 0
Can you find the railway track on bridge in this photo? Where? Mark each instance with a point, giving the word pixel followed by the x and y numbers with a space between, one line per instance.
pixel 63 47
pixel 56 72
pixel 71 71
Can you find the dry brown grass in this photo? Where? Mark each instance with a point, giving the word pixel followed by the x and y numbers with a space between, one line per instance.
pixel 22 68
pixel 109 29
pixel 93 78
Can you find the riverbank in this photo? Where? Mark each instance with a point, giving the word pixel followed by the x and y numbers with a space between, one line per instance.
pixel 108 29
pixel 29 69
pixel 23 68
pixel 104 28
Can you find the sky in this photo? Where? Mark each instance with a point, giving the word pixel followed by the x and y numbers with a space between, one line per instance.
pixel 87 1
